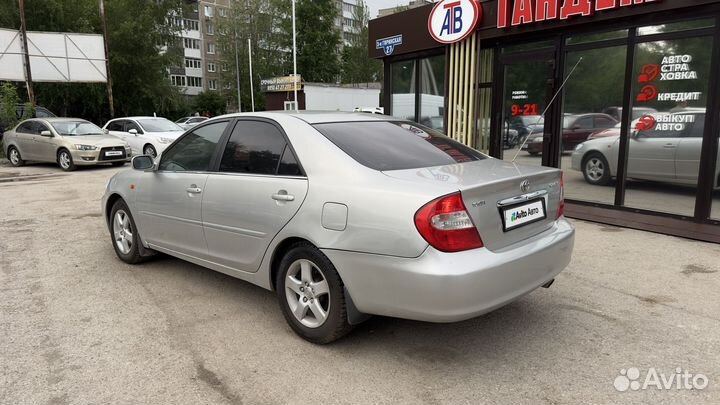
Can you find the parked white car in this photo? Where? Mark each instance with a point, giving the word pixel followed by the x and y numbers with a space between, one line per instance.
pixel 145 135
pixel 189 122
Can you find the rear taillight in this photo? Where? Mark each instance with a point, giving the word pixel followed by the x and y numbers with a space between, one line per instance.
pixel 446 225
pixel 561 206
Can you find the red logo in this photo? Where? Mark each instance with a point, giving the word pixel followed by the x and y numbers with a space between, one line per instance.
pixel 648 93
pixel 645 123
pixel 649 73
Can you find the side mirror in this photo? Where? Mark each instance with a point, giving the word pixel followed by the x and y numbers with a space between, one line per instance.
pixel 133 132
pixel 575 127
pixel 46 133
pixel 142 162
pixel 106 131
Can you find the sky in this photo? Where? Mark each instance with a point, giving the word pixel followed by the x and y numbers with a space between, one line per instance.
pixel 376 5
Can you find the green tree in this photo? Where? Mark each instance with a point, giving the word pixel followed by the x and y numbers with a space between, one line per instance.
pixel 357 66
pixel 141 46
pixel 209 102
pixel 254 20
pixel 317 39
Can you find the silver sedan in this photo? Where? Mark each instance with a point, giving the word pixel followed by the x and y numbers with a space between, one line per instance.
pixel 345 215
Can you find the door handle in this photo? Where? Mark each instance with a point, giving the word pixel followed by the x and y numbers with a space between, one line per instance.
pixel 669 146
pixel 193 189
pixel 280 196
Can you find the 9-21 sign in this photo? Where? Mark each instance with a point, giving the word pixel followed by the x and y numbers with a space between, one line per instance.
pixel 526 109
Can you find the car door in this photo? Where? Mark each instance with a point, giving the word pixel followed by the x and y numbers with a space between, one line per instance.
pixel 45 146
pixel 258 188
pixel 117 128
pixel 689 149
pixel 169 199
pixel 651 154
pixel 24 139
pixel 136 141
pixel 578 133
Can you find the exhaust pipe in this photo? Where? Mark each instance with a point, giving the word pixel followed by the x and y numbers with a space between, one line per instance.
pixel 548 284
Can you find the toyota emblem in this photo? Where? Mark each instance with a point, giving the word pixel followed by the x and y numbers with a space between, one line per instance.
pixel 525 186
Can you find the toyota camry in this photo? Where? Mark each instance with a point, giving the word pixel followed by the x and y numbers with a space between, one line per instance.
pixel 344 216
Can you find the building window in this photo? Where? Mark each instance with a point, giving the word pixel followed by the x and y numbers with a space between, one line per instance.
pixel 191 25
pixel 177 80
pixel 212 84
pixel 208 11
pixel 193 81
pixel 211 67
pixel 210 47
pixel 225 67
pixel 191 43
pixel 192 63
pixel 432 92
pixel 222 12
pixel 210 28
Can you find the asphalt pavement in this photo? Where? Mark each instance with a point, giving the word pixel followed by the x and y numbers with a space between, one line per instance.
pixel 77 325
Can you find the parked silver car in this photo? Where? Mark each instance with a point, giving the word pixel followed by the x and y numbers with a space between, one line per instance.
pixel 668 151
pixel 70 142
pixel 345 215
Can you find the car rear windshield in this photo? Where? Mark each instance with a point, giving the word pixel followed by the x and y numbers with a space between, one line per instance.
pixel 387 145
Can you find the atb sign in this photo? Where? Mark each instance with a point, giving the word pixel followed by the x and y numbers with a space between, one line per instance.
pixel 453 20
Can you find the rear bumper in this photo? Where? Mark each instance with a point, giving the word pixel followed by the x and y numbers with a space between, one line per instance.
pixel 450 287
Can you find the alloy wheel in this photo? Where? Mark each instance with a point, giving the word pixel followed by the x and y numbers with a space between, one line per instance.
pixel 307 293
pixel 123 232
pixel 65 160
pixel 14 157
pixel 595 169
pixel 150 151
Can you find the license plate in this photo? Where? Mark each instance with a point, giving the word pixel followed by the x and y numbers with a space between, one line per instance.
pixel 113 153
pixel 523 214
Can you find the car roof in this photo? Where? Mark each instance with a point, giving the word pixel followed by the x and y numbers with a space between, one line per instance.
pixel 58 119
pixel 138 117
pixel 319 117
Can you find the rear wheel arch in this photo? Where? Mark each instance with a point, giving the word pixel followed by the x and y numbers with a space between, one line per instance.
pixel 280 250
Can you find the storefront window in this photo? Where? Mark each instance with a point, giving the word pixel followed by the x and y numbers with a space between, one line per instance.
pixel 715 214
pixel 403 89
pixel 678 26
pixel 595 37
pixel 665 143
pixel 432 92
pixel 527 92
pixel 592 112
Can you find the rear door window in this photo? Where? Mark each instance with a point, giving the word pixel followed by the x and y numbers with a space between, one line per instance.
pixel 254 147
pixel 27 127
pixel 396 145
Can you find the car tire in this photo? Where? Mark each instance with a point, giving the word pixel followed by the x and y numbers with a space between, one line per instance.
pixel 65 160
pixel 14 157
pixel 595 169
pixel 118 164
pixel 534 153
pixel 150 151
pixel 127 248
pixel 311 295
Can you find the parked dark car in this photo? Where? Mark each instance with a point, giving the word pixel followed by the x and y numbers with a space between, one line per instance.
pixel 527 124
pixel 576 130
pixel 637 112
pixel 40 112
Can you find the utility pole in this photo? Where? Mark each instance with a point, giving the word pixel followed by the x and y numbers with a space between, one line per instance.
pixel 237 72
pixel 252 94
pixel 295 83
pixel 28 73
pixel 107 58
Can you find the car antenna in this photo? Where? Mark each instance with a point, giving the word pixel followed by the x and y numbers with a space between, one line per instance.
pixel 542 116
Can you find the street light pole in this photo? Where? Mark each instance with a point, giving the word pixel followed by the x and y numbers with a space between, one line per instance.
pixel 297 107
pixel 252 92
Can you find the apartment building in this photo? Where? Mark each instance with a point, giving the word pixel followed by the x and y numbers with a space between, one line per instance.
pixel 202 69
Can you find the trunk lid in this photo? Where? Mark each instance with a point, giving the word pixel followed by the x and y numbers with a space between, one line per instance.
pixel 489 188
